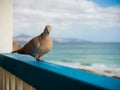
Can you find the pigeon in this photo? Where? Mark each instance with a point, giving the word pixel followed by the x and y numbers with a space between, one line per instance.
pixel 38 46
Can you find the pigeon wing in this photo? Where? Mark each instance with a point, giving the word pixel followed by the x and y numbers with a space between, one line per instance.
pixel 31 46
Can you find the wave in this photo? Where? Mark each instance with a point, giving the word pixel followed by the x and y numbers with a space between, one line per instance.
pixel 102 69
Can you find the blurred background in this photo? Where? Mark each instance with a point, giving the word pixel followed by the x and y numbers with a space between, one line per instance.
pixel 86 33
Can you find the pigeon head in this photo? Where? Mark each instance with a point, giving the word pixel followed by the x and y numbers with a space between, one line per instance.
pixel 47 29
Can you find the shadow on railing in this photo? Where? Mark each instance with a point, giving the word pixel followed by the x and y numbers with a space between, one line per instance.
pixel 22 72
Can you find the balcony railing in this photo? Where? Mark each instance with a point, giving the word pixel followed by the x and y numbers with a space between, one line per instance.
pixel 22 72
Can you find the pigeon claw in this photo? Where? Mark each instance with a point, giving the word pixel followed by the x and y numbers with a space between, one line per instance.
pixel 39 59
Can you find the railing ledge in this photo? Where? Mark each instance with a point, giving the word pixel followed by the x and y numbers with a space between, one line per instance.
pixel 49 76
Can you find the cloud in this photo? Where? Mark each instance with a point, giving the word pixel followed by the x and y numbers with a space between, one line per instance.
pixel 65 14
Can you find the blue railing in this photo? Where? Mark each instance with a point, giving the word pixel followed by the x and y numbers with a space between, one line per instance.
pixel 49 76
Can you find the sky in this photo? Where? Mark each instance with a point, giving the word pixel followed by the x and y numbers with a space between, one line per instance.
pixel 92 20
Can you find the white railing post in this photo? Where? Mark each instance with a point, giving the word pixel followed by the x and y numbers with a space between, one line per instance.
pixel 7 80
pixel 3 80
pixel 5 26
pixel 19 84
pixel 27 87
pixel 12 82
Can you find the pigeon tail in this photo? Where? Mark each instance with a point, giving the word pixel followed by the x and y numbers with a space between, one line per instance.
pixel 19 51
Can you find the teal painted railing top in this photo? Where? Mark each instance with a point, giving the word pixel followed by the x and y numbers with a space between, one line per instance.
pixel 49 76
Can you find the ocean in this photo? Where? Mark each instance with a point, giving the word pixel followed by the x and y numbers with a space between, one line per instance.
pixel 100 58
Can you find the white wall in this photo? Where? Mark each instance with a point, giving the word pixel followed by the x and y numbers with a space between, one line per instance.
pixel 5 26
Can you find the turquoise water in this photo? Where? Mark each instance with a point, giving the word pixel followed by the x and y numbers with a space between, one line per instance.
pixel 88 53
pixel 102 58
